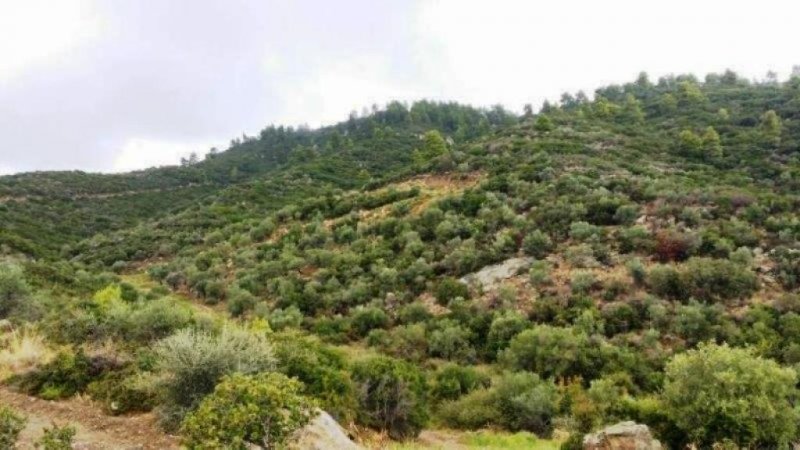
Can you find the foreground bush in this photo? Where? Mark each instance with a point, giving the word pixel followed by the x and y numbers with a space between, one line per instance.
pixel 263 410
pixel 11 424
pixel 321 369
pixel 717 393
pixel 57 438
pixel 192 363
pixel 67 374
pixel 391 395
pixel 518 401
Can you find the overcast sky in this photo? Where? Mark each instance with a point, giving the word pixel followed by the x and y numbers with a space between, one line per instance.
pixel 112 85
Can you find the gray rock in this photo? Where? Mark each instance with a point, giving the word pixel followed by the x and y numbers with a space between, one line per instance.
pixel 490 276
pixel 323 433
pixel 622 436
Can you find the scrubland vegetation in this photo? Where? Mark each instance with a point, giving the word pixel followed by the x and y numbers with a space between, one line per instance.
pixel 303 269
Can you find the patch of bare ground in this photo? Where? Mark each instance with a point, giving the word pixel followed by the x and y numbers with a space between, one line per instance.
pixel 95 429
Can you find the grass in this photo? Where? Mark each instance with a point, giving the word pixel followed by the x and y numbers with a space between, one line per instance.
pixel 22 350
pixel 478 440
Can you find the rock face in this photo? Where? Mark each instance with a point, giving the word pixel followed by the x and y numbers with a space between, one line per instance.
pixel 622 436
pixel 489 276
pixel 323 433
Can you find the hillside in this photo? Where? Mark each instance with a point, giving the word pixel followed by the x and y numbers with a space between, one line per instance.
pixel 630 257
pixel 44 213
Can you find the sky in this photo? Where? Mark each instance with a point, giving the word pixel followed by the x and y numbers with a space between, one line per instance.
pixel 117 85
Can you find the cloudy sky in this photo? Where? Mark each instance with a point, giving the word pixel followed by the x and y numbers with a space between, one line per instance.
pixel 112 85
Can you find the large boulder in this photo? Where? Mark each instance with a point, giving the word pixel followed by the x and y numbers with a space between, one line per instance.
pixel 322 433
pixel 622 436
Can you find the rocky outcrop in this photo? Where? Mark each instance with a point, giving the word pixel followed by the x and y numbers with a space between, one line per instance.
pixel 490 276
pixel 322 433
pixel 622 436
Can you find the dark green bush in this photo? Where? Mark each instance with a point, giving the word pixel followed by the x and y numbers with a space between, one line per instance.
pixel 322 370
pixel 452 381
pixel 537 244
pixel 526 402
pixel 391 395
pixel 449 289
pixel 123 392
pixel 552 352
pixel 67 374
pixel 365 319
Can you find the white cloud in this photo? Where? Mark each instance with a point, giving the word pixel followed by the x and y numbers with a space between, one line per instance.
pixel 110 85
pixel 515 51
pixel 140 153
pixel 41 32
pixel 329 93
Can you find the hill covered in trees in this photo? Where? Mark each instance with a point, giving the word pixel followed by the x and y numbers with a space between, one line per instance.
pixel 633 256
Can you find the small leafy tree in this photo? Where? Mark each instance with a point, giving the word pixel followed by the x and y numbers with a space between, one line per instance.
pixel 543 123
pixel 712 146
pixel 717 393
pixel 433 145
pixel 245 410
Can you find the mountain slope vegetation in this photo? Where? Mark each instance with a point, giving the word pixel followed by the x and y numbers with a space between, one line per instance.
pixel 652 230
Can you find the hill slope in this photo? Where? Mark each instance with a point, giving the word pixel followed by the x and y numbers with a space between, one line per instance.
pixel 629 249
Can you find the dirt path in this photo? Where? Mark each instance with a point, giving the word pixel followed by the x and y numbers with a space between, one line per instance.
pixel 95 430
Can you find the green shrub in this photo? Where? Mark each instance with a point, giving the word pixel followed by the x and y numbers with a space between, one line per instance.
pixel 239 301
pixel 246 410
pixel 11 425
pixel 503 328
pixel 290 317
pixel 636 238
pixel 666 281
pixel 451 341
pixel 391 395
pixel 551 352
pixel 13 288
pixel 717 393
pixel 154 320
pixel 452 381
pixel 540 273
pixel 637 271
pixel 718 279
pixel 526 402
pixel 449 289
pixel 192 362
pixel 414 313
pixel 123 392
pixel 57 438
pixel 366 319
pixel 537 244
pixel 582 282
pixel 519 401
pixel 321 369
pixel 473 411
pixel 67 374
